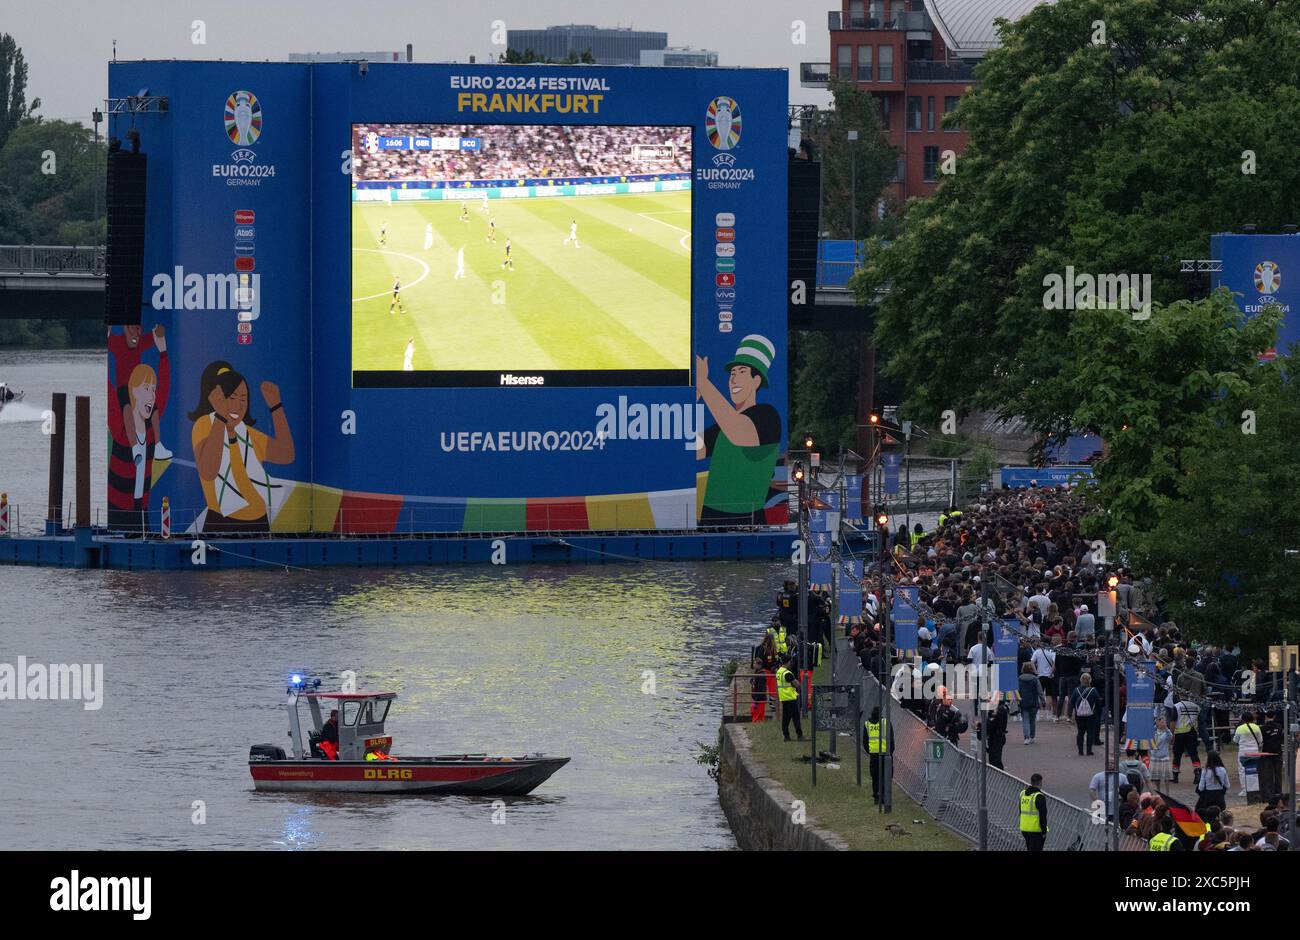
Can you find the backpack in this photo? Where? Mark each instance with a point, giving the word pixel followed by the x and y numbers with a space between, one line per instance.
pixel 1083 707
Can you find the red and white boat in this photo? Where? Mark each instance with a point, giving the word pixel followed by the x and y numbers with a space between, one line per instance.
pixel 363 762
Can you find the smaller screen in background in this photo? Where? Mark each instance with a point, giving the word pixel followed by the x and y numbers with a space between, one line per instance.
pixel 521 255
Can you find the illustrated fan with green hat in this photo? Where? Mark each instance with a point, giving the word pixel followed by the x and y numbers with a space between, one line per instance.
pixel 754 351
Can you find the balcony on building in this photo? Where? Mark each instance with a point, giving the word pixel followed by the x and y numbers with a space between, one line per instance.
pixel 814 74
pixel 927 70
pixel 915 21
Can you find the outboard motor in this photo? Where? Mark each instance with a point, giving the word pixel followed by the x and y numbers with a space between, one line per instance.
pixel 266 752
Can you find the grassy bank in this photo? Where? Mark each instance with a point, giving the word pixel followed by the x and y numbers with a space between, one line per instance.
pixel 838 804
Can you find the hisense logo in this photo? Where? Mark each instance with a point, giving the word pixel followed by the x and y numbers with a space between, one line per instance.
pixel 508 379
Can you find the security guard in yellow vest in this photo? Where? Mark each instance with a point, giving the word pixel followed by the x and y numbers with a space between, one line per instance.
pixel 1161 842
pixel 779 637
pixel 787 692
pixel 951 515
pixel 877 740
pixel 1033 814
pixel 918 533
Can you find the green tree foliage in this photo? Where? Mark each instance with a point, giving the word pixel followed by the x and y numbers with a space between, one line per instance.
pixel 14 106
pixel 824 384
pixel 1198 486
pixel 528 56
pixel 59 207
pixel 875 159
pixel 824 366
pixel 1114 156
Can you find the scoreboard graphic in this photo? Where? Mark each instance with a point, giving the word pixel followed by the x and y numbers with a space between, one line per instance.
pixel 454 298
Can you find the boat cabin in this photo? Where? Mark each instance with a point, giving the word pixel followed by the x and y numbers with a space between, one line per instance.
pixel 360 724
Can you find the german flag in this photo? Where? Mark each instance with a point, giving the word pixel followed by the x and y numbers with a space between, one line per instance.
pixel 1188 824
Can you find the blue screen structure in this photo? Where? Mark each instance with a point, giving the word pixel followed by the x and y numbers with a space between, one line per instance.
pixel 1262 270
pixel 463 298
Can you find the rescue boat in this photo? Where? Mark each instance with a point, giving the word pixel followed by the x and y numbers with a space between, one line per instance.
pixel 363 762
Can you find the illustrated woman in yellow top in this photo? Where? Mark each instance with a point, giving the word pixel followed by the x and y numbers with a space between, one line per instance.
pixel 230 454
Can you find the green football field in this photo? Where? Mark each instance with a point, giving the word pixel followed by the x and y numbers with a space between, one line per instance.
pixel 620 301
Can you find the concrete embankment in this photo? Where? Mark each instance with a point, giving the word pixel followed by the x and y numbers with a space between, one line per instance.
pixel 759 809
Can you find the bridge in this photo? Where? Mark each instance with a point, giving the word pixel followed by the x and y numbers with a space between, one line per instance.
pixel 67 281
pixel 49 281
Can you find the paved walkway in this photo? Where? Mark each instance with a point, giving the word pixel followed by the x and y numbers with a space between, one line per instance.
pixel 1067 775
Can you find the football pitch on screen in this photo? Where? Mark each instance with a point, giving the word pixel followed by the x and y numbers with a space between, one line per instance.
pixel 618 298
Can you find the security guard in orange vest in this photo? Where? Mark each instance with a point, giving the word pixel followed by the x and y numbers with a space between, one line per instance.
pixel 1033 814
pixel 877 740
pixel 787 692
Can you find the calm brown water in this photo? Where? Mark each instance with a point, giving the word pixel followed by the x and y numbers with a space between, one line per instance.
pixel 505 660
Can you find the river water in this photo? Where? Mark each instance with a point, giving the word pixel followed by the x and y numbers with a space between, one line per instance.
pixel 617 665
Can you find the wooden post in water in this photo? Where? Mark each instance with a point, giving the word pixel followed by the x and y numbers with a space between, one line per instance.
pixel 83 461
pixel 54 510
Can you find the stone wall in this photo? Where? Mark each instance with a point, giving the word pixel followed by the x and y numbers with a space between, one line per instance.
pixel 757 807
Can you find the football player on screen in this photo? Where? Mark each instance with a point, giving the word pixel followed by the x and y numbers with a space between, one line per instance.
pixel 383 233
pixel 510 261
pixel 573 234
pixel 397 296
pixel 492 230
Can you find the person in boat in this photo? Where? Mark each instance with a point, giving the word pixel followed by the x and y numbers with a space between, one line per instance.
pixel 329 735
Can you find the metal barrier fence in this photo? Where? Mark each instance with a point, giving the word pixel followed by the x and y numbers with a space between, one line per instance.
pixel 948 787
pixel 51 259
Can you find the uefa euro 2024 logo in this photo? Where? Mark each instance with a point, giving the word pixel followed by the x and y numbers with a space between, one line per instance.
pixel 722 122
pixel 243 118
pixel 1268 277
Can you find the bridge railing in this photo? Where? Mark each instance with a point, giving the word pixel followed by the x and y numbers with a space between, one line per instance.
pixel 52 259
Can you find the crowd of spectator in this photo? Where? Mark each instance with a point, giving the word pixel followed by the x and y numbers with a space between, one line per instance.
pixel 523 152
pixel 1019 556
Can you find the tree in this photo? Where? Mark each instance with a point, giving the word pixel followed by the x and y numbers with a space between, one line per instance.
pixel 824 382
pixel 1114 156
pixel 824 366
pixel 54 170
pixel 876 159
pixel 14 106
pixel 1197 485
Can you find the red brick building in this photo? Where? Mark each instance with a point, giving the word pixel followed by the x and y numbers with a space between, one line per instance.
pixel 917 57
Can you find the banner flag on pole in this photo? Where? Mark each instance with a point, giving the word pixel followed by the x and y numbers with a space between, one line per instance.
pixel 892 463
pixel 1141 705
pixel 819 574
pixel 1006 649
pixel 850 590
pixel 853 497
pixel 906 614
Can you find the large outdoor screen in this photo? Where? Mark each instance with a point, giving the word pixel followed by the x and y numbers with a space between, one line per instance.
pixel 521 255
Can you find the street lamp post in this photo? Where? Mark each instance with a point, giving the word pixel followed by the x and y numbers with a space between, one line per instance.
pixel 853 190
pixel 887 661
pixel 802 481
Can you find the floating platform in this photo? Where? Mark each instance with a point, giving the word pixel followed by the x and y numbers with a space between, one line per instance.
pixel 89 548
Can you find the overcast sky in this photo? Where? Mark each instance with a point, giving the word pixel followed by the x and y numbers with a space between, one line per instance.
pixel 69 42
